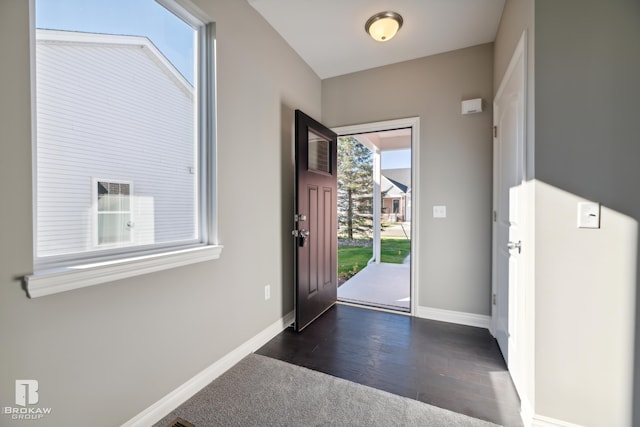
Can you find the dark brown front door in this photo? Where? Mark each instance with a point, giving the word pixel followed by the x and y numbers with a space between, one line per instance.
pixel 316 233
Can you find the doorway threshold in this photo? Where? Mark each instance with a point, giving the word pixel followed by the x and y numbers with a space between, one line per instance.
pixel 381 285
pixel 373 307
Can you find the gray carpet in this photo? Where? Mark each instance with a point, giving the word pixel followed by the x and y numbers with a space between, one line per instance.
pixel 260 391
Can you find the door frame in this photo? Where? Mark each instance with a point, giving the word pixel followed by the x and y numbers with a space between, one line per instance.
pixel 414 124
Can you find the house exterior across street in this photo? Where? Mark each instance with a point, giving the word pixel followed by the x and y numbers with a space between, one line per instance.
pixel 396 195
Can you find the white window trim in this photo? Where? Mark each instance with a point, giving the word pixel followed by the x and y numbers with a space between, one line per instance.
pixel 81 276
pixel 48 281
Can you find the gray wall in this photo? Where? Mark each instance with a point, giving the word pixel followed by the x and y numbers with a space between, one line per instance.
pixel 103 354
pixel 587 91
pixel 455 162
pixel 587 145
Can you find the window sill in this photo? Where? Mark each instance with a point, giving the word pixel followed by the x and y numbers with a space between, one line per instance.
pixel 58 280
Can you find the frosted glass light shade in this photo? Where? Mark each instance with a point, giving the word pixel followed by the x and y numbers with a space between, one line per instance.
pixel 383 26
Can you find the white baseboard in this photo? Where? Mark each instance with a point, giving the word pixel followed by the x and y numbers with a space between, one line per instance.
pixel 540 421
pixel 459 317
pixel 161 408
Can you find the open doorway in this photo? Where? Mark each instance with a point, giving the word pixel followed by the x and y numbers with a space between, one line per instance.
pixel 375 213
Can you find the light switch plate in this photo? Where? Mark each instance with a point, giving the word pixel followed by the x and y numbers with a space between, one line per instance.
pixel 439 211
pixel 588 215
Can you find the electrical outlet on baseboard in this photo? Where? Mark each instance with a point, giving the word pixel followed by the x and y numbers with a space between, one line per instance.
pixel 267 292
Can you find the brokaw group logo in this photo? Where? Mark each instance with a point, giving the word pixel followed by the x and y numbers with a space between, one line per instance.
pixel 26 395
pixel 27 392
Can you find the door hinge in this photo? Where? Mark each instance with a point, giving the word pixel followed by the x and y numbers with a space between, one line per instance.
pixel 495 131
pixel 495 216
pixel 493 299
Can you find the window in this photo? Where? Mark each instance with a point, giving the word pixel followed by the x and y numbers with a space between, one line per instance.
pixel 319 153
pixel 396 206
pixel 122 91
pixel 113 215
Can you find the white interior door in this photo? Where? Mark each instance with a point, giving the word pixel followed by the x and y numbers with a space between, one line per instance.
pixel 509 135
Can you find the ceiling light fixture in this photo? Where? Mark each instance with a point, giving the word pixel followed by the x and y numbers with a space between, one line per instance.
pixel 383 26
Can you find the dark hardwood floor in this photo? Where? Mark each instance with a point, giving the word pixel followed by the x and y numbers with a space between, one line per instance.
pixel 455 367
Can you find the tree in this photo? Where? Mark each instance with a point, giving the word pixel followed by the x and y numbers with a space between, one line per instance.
pixel 355 187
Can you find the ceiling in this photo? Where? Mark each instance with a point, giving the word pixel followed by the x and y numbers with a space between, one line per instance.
pixel 329 34
pixel 389 140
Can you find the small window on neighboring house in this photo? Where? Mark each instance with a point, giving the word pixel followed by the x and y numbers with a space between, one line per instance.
pixel 114 222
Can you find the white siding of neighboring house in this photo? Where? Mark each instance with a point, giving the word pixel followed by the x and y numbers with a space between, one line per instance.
pixel 389 189
pixel 113 112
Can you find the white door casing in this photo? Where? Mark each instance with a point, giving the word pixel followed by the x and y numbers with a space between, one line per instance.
pixel 509 173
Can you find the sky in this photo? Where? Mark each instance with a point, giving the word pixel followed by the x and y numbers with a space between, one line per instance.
pixel 396 159
pixel 173 37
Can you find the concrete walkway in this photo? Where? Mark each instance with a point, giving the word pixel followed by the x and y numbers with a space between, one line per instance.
pixel 381 285
pixel 397 230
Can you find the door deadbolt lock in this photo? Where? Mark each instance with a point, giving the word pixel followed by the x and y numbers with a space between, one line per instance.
pixel 301 236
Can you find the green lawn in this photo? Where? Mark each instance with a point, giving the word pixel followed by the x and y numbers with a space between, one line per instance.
pixel 394 251
pixel 353 259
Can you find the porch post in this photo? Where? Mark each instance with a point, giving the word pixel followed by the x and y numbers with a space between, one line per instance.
pixel 377 204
